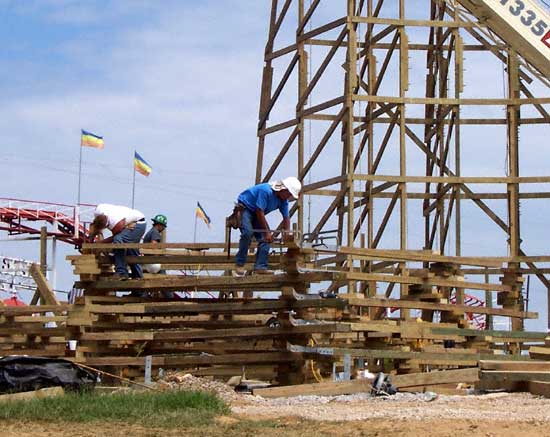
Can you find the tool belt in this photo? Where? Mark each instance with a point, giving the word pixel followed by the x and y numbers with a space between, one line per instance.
pixel 132 225
pixel 234 220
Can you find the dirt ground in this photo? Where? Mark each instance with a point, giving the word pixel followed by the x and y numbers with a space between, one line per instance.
pixel 407 415
pixel 293 427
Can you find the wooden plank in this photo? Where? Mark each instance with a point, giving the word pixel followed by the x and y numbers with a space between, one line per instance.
pixel 406 355
pixel 515 375
pixel 518 335
pixel 210 283
pixel 319 389
pixel 49 392
pixel 195 334
pixel 539 388
pixel 436 377
pixel 174 360
pixel 219 307
pixel 33 309
pixel 364 386
pixel 400 279
pixel 399 303
pixel 44 288
pixel 539 352
pixel 515 365
pixel 413 255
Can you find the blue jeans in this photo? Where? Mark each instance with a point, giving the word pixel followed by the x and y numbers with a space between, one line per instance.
pixel 128 236
pixel 249 223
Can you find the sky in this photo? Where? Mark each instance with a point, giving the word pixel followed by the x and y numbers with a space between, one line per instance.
pixel 179 82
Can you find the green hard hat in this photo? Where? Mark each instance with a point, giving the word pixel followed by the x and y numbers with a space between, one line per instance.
pixel 160 219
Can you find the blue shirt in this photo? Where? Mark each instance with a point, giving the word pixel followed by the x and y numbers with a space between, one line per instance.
pixel 263 197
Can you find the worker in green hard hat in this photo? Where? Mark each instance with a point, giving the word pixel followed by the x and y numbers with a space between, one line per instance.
pixel 159 225
pixel 154 236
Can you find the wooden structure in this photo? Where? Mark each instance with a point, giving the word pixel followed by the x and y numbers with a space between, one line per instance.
pixel 385 132
pixel 277 327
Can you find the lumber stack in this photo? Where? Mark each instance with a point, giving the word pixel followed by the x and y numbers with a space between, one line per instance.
pixel 203 335
pixel 541 352
pixel 220 325
pixel 273 325
pixel 529 376
pixel 33 330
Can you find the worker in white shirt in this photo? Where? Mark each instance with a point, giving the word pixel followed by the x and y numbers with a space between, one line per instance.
pixel 127 226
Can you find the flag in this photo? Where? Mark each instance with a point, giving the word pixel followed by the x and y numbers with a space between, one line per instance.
pixel 141 165
pixel 199 212
pixel 89 139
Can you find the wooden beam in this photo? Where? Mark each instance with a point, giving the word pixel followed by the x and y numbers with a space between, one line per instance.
pixel 364 385
pixel 46 292
pixel 399 303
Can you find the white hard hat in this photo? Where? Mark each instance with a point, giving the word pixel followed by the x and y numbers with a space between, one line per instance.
pixel 293 185
pixel 152 268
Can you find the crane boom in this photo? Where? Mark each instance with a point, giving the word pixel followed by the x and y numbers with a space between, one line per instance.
pixel 523 24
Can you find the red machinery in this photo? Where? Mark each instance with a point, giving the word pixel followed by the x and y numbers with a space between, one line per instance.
pixel 23 217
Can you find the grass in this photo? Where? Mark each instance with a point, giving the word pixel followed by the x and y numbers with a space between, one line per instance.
pixel 169 409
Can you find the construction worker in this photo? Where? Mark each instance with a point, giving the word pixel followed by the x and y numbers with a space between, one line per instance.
pixel 127 226
pixel 257 202
pixel 160 222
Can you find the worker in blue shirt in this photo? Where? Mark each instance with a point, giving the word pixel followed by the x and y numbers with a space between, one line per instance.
pixel 258 201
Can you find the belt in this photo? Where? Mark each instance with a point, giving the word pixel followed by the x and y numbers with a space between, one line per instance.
pixel 132 225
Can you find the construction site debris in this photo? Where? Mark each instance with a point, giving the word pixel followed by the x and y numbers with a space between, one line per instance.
pixel 173 380
pixel 20 373
pixel 416 380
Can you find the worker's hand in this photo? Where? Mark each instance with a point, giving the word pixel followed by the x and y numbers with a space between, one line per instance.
pixel 268 237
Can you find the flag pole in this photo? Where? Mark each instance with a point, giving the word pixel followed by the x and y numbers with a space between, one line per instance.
pixel 79 173
pixel 195 230
pixel 133 183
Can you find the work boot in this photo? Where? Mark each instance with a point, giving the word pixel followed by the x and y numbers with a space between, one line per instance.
pixel 239 271
pixel 119 277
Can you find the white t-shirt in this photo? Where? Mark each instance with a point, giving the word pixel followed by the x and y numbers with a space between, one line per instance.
pixel 115 213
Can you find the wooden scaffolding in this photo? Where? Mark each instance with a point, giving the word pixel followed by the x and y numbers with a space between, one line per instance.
pixel 378 106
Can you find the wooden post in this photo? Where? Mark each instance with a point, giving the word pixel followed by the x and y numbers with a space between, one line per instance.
pixel 43 254
pixel 488 304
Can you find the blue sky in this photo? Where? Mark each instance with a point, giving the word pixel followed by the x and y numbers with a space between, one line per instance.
pixel 145 78
pixel 178 81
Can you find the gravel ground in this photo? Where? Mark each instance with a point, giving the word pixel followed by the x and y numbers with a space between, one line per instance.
pixel 403 406
pixel 510 407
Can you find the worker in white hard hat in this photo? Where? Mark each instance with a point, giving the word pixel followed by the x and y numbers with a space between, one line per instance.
pixel 257 202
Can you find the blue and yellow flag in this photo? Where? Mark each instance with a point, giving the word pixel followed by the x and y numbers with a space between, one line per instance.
pixel 89 139
pixel 141 166
pixel 199 212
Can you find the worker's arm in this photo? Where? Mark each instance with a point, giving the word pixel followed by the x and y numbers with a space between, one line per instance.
pixel 264 226
pixel 119 227
pixel 93 234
